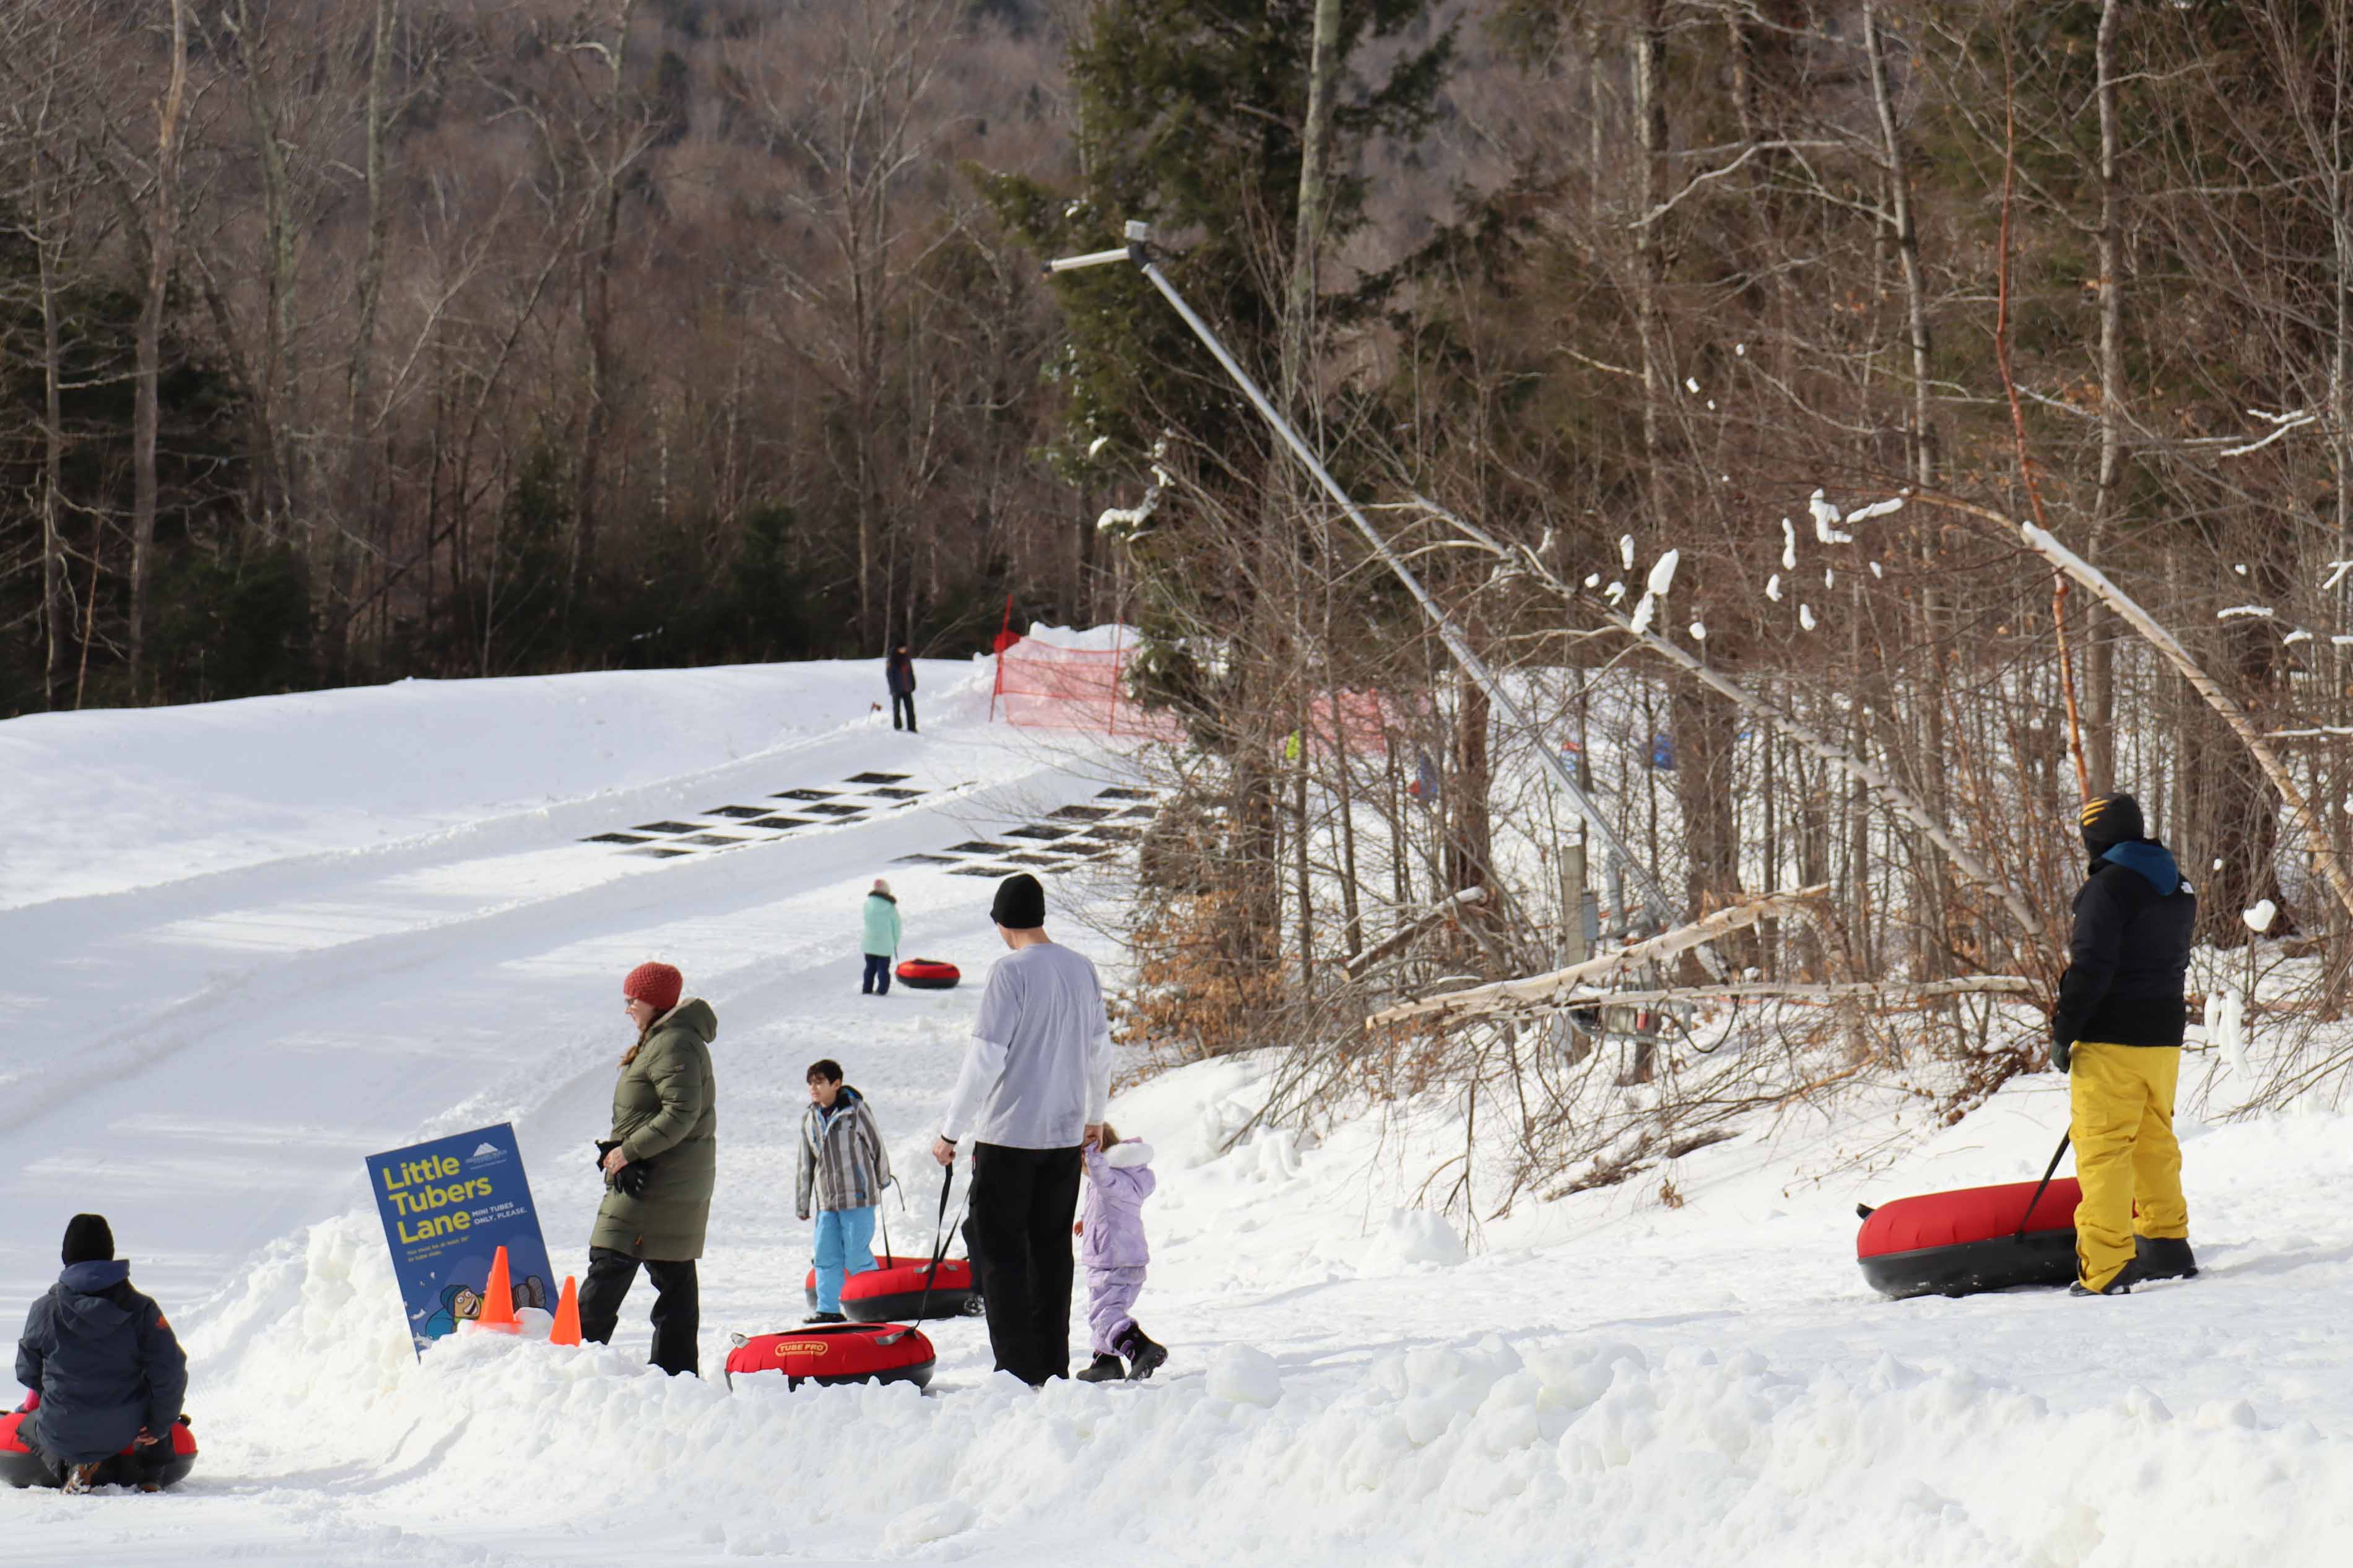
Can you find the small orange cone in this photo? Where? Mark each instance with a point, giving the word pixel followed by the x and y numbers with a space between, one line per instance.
pixel 567 1316
pixel 497 1299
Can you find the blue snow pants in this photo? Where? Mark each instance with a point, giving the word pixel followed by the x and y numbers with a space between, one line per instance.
pixel 845 1246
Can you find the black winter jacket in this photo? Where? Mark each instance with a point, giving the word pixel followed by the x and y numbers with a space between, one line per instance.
pixel 2130 951
pixel 901 675
pixel 105 1362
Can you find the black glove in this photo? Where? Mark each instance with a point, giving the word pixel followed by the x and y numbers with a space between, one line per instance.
pixel 2060 1054
pixel 631 1180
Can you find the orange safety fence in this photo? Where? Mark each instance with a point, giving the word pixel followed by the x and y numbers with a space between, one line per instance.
pixel 1047 688
pixel 1039 686
pixel 1363 719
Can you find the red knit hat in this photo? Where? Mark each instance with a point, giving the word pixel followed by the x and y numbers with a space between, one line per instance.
pixel 656 985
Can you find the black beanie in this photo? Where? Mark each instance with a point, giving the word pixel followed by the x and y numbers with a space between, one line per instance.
pixel 88 1240
pixel 2111 820
pixel 1020 903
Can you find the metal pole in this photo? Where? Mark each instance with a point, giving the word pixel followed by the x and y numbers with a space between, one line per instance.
pixel 1139 239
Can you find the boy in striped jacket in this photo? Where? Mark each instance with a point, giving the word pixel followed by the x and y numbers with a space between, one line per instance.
pixel 843 1170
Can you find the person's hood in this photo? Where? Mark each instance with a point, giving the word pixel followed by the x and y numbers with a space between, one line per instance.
pixel 85 1294
pixel 886 897
pixel 843 1099
pixel 2153 860
pixel 1128 1153
pixel 693 1014
pixel 100 1274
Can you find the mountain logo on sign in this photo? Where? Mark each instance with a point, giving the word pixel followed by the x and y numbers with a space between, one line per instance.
pixel 487 1152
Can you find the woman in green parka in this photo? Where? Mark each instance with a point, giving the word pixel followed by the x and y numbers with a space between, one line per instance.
pixel 659 1164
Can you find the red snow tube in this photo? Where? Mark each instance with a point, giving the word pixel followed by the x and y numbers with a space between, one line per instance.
pixel 893 1289
pixel 1954 1243
pixel 929 973
pixel 828 1353
pixel 159 1465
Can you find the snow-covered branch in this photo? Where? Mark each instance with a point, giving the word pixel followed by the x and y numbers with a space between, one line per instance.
pixel 1885 992
pixel 1876 779
pixel 2280 425
pixel 1445 912
pixel 2323 849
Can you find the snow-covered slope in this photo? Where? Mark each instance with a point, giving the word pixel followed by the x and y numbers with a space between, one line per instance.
pixel 249 943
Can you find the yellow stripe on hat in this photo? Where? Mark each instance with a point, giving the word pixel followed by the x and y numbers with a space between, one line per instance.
pixel 2091 812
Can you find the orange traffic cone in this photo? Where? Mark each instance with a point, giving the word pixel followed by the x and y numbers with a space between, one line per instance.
pixel 497 1299
pixel 567 1316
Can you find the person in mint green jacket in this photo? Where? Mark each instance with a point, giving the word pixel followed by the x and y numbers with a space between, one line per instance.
pixel 881 939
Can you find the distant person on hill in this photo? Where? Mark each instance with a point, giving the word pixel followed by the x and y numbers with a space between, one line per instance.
pixel 109 1372
pixel 1036 1078
pixel 2116 1033
pixel 660 1166
pixel 1119 1178
pixel 881 939
pixel 899 671
pixel 843 1170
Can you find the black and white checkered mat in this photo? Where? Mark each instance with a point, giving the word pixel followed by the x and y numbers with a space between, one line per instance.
pixel 1069 836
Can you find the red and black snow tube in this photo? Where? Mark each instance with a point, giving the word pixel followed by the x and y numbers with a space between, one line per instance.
pixel 829 1353
pixel 158 1465
pixel 929 973
pixel 1955 1243
pixel 894 1289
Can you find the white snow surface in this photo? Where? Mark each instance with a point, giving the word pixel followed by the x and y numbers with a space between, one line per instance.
pixel 252 942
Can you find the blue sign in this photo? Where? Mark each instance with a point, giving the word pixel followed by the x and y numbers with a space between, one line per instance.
pixel 448 1207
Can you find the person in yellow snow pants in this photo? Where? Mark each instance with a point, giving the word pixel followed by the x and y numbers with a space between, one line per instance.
pixel 2116 1033
pixel 2125 1156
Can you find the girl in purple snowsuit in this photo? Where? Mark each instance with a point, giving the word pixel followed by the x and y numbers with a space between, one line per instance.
pixel 1119 1178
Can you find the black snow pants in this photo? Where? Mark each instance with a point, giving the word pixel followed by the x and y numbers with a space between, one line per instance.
pixel 904 702
pixel 1023 1201
pixel 678 1306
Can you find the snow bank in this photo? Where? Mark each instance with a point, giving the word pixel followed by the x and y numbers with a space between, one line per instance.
pixel 1543 1448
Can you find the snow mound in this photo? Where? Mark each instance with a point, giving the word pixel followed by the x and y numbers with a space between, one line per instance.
pixel 1242 1376
pixel 1086 639
pixel 1410 1236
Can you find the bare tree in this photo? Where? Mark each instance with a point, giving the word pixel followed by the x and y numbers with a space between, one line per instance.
pixel 163 225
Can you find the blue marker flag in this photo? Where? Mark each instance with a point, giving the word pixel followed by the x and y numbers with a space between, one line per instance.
pixel 448 1207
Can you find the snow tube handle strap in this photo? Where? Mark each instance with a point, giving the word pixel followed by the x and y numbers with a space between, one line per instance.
pixel 2048 1171
pixel 939 1242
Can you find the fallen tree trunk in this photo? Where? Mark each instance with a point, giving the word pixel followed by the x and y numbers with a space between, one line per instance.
pixel 1547 992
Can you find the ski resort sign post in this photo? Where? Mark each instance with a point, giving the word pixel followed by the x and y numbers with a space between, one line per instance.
pixel 448 1208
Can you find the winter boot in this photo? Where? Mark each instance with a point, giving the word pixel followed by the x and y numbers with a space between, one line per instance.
pixel 83 1478
pixel 2163 1257
pixel 1143 1354
pixel 815 1318
pixel 1104 1368
pixel 2126 1278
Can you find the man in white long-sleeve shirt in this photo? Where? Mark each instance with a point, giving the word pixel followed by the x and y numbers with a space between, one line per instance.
pixel 1035 1084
